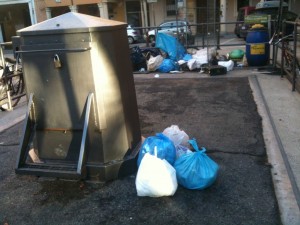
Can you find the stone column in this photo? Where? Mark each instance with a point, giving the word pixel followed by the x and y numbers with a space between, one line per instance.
pixel 103 9
pixel 48 13
pixel 145 22
pixel 223 8
pixel 73 8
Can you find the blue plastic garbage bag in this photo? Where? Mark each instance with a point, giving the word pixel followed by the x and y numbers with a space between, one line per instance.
pixel 165 148
pixel 187 57
pixel 170 45
pixel 166 66
pixel 196 170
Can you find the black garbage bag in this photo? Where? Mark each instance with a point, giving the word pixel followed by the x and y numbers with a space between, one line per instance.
pixel 148 52
pixel 137 59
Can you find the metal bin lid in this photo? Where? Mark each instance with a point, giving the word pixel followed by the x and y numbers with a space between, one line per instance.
pixel 71 23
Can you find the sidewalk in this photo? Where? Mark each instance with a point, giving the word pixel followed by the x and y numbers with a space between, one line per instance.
pixel 10 118
pixel 279 108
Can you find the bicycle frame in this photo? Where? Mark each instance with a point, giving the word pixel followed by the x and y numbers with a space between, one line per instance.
pixel 2 46
pixel 6 77
pixel 289 54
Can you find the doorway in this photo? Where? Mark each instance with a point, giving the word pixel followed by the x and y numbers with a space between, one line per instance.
pixel 133 13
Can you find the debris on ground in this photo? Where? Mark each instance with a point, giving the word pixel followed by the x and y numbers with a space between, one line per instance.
pixel 166 160
pixel 170 55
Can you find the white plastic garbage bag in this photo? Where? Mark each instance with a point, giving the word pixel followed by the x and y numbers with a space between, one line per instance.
pixel 201 57
pixel 155 177
pixel 228 64
pixel 179 137
pixel 154 62
pixel 192 64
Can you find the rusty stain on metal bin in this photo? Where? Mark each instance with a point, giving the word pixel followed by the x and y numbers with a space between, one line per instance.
pixel 82 118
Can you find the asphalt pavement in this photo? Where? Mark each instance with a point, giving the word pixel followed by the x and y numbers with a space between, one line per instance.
pixel 276 104
pixel 279 108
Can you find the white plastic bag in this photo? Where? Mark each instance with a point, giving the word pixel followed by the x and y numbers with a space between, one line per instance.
pixel 192 64
pixel 154 62
pixel 179 137
pixel 228 64
pixel 155 177
pixel 201 57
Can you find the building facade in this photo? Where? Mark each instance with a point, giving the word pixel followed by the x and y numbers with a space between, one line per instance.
pixel 16 14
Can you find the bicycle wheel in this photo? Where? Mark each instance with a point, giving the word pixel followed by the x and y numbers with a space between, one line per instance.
pixel 3 97
pixel 3 89
pixel 288 61
pixel 16 87
pixel 15 84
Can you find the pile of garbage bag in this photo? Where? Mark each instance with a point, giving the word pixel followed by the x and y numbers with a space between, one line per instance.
pixel 170 55
pixel 171 158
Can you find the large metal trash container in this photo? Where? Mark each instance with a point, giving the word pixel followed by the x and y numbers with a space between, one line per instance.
pixel 82 119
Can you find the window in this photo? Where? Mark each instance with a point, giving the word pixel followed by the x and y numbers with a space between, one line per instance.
pixel 171 7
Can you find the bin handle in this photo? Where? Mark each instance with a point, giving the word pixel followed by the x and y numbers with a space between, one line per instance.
pixel 57 50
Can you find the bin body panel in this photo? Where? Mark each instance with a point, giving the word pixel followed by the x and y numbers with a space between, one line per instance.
pixel 57 89
pixel 92 60
pixel 120 120
pixel 63 149
pixel 59 97
pixel 257 47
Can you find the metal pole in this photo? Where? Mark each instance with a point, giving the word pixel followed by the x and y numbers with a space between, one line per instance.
pixel 154 23
pixel 295 57
pixel 153 14
pixel 275 49
pixel 2 57
pixel 219 27
pixel 207 31
pixel 283 49
pixel 176 2
pixel 279 18
pixel 214 15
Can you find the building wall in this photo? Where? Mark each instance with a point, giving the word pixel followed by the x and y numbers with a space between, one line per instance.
pixel 190 11
pixel 295 6
pixel 231 14
pixel 157 13
pixel 85 2
pixel 115 8
pixel 40 10
pixel 117 11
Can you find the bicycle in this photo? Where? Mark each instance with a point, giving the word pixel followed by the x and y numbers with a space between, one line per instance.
pixel 288 44
pixel 288 58
pixel 12 87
